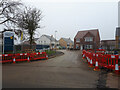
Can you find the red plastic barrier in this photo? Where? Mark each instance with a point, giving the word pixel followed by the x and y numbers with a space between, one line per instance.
pixel 23 57
pixel 7 58
pixel 40 55
pixel 101 60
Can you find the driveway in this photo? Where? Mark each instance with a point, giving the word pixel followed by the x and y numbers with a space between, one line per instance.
pixel 66 71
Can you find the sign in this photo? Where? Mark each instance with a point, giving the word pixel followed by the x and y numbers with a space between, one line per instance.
pixel 8 40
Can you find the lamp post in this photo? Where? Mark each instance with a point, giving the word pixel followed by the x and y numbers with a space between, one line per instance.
pixel 55 40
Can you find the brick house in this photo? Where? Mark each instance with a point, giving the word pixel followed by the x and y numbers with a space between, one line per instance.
pixel 117 38
pixel 108 44
pixel 66 43
pixel 87 39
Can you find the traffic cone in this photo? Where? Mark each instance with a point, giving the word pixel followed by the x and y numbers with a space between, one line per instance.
pixel 96 66
pixel 14 60
pixel 91 63
pixel 83 56
pixel 46 56
pixel 117 67
pixel 28 59
pixel 88 61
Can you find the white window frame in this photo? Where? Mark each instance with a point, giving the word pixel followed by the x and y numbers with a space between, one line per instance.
pixel 88 39
pixel 77 40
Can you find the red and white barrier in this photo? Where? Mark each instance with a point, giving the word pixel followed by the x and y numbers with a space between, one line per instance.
pixel 102 60
pixel 22 57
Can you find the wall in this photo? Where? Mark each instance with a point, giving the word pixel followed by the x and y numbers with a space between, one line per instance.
pixel 43 38
pixel 62 43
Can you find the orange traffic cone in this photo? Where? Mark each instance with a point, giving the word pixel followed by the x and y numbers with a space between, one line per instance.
pixel 96 66
pixel 83 56
pixel 91 63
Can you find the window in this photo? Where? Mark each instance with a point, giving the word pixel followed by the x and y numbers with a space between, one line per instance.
pixel 77 40
pixel 88 39
pixel 68 44
pixel 89 47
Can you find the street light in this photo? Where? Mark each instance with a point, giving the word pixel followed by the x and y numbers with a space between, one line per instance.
pixel 55 40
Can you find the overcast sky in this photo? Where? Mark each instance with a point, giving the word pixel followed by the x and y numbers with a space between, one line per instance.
pixel 70 16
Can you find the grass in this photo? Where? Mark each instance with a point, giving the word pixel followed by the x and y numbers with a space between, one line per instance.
pixel 49 52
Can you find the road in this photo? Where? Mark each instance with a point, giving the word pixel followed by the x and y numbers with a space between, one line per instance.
pixel 66 71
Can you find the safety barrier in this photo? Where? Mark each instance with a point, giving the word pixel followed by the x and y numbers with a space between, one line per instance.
pixel 22 57
pixel 102 60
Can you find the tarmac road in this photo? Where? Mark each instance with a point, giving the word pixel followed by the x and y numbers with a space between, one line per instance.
pixel 66 71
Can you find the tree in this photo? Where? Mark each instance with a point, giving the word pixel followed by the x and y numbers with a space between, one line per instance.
pixel 8 9
pixel 28 21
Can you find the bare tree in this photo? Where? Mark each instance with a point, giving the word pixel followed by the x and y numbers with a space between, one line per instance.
pixel 8 9
pixel 28 21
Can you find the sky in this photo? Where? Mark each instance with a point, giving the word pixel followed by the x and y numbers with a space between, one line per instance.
pixel 67 17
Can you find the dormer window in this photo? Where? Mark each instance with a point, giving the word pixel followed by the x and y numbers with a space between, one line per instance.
pixel 88 39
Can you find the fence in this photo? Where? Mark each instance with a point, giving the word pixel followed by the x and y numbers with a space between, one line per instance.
pixel 22 57
pixel 102 60
pixel 23 48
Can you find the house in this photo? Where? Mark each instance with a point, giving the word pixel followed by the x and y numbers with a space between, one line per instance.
pixel 48 40
pixel 87 39
pixel 66 43
pixel 0 39
pixel 117 38
pixel 108 44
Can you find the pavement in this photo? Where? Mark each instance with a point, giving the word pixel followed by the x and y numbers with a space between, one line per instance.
pixel 66 71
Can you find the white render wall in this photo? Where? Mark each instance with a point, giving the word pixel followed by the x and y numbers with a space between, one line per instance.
pixel 43 40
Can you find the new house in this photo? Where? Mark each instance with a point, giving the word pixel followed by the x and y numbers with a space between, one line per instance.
pixel 66 43
pixel 87 39
pixel 48 40
pixel 108 44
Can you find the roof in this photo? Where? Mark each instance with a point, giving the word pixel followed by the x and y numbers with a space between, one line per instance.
pixel 118 31
pixel 35 39
pixel 27 42
pixel 81 34
pixel 50 37
pixel 109 42
pixel 68 40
